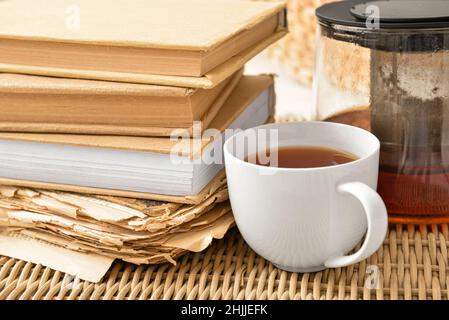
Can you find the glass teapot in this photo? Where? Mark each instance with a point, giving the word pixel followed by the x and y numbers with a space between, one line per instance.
pixel 384 66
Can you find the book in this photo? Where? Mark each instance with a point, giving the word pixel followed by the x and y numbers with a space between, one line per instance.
pixel 57 105
pixel 195 43
pixel 141 167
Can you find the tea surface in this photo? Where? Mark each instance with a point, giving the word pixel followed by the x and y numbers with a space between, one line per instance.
pixel 302 157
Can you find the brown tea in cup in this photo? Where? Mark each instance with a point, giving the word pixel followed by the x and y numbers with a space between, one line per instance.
pixel 301 157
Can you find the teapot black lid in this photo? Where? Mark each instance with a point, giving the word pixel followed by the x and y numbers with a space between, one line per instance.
pixel 391 14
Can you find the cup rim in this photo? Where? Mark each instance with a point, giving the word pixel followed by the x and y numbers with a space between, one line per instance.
pixel 317 123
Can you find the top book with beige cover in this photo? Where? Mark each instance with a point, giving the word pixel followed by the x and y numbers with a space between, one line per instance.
pixel 195 43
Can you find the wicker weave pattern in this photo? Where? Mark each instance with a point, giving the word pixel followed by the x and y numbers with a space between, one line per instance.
pixel 412 264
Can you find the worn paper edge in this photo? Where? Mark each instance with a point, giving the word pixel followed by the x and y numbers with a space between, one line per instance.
pixel 88 267
pixel 197 241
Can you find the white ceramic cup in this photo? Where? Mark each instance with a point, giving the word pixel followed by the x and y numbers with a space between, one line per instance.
pixel 308 219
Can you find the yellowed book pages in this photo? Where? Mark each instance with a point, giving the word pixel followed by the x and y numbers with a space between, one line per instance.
pixel 195 43
pixel 128 213
pixel 247 90
pixel 59 105
pixel 138 247
pixel 32 234
pixel 85 266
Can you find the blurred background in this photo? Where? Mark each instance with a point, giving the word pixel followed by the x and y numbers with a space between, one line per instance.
pixel 292 59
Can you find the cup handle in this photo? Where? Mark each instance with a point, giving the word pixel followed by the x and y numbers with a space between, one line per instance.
pixel 376 213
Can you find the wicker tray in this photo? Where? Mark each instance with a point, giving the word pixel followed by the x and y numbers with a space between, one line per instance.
pixel 412 264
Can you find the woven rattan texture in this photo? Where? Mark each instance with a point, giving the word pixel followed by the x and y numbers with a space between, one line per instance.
pixel 412 264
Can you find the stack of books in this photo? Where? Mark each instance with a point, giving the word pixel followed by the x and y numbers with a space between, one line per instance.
pixel 124 100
